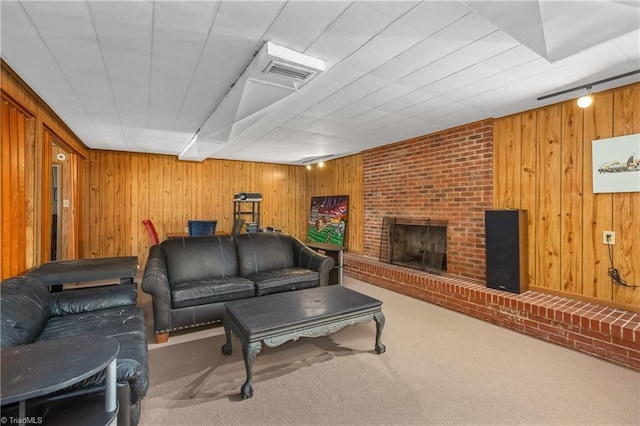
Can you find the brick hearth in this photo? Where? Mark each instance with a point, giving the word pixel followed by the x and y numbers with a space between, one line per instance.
pixel 607 333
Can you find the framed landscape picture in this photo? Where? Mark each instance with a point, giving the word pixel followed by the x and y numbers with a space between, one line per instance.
pixel 616 164
pixel 328 219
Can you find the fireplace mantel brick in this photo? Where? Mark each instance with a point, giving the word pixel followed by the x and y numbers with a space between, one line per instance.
pixel 605 332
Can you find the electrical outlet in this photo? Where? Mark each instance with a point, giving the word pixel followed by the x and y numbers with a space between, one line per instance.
pixel 608 237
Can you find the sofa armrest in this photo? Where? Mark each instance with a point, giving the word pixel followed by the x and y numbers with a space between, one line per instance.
pixel 311 259
pixel 155 281
pixel 89 299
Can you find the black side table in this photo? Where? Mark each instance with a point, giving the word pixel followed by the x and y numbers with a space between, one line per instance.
pixel 337 253
pixel 41 368
pixel 60 272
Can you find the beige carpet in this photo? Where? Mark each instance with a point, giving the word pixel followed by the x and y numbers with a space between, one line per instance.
pixel 440 367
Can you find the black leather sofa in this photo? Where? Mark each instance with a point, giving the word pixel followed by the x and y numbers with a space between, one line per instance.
pixel 30 313
pixel 190 278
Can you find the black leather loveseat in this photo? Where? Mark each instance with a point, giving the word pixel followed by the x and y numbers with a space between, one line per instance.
pixel 189 279
pixel 30 313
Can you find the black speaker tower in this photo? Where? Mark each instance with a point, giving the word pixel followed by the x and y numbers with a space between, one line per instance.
pixel 506 250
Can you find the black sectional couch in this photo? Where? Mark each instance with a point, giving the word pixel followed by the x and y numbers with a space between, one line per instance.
pixel 30 313
pixel 190 278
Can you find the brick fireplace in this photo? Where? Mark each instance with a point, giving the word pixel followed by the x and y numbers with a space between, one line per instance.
pixel 448 177
pixel 415 243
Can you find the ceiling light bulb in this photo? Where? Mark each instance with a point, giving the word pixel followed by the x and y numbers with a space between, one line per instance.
pixel 308 166
pixel 321 163
pixel 585 101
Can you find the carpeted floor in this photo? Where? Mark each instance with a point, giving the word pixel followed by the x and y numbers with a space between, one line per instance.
pixel 440 367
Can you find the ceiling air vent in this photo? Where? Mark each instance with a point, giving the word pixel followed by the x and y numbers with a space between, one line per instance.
pixel 289 71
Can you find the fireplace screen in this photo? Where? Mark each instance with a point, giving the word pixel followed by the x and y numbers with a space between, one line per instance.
pixel 415 243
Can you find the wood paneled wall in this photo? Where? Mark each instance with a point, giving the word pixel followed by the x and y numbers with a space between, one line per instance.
pixel 543 163
pixel 16 154
pixel 126 188
pixel 343 176
pixel 27 123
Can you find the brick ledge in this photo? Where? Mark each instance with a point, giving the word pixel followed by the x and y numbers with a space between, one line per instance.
pixel 605 332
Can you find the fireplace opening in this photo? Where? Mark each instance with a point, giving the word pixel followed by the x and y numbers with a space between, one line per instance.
pixel 414 243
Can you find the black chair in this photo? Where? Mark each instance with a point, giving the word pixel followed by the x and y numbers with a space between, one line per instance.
pixel 199 228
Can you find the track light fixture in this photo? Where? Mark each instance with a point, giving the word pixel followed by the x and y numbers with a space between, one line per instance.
pixel 319 161
pixel 586 101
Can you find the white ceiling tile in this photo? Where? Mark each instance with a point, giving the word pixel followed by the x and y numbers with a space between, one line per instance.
pixel 325 107
pixel 76 56
pixel 319 125
pixel 393 9
pixel 124 29
pixel 550 80
pixel 297 122
pixel 332 48
pixel 629 44
pixel 593 61
pixel 412 59
pixel 430 17
pixel 490 45
pixel 299 24
pixel 246 20
pixel 437 70
pixel 504 94
pixel 490 83
pixel 511 58
pixel 529 69
pixel 404 101
pixel 186 17
pixel 368 117
pixel 359 23
pixel 424 107
pixel 345 113
pixel 279 133
pixel 360 88
pixel 382 96
pixel 389 43
pixel 68 18
pixel 465 31
pixel 127 69
pixel 459 79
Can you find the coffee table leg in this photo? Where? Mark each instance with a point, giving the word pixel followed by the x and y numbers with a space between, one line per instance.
pixel 226 348
pixel 379 319
pixel 249 351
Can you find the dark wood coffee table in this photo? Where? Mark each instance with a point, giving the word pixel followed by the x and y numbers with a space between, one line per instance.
pixel 277 318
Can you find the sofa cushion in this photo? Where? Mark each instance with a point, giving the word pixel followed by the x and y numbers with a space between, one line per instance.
pixel 93 299
pixel 196 258
pixel 263 251
pixel 125 324
pixel 279 280
pixel 25 304
pixel 211 290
